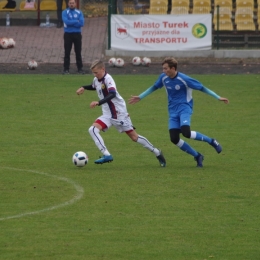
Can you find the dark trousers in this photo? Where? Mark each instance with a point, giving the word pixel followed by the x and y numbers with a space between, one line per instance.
pixel 59 9
pixel 69 40
pixel 169 6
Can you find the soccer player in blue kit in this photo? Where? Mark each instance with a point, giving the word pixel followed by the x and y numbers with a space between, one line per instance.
pixel 180 107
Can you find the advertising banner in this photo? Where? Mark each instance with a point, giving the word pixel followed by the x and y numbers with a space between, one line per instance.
pixel 161 32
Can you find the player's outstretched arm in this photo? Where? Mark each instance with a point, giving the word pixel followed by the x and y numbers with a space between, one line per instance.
pixel 213 94
pixel 225 100
pixel 80 91
pixel 134 99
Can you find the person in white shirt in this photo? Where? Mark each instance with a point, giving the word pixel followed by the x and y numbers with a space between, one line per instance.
pixel 114 113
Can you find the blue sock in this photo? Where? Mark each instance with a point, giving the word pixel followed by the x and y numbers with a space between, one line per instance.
pixel 187 148
pixel 200 137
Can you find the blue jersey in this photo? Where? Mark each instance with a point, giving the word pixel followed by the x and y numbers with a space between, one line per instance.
pixel 73 20
pixel 179 91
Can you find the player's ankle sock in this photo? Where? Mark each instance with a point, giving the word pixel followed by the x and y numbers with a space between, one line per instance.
pixel 156 151
pixel 187 148
pixel 106 152
pixel 200 137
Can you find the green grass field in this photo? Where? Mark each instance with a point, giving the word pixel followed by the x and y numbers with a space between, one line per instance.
pixel 130 208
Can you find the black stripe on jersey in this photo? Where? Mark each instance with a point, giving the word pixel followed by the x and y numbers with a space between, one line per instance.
pixel 110 103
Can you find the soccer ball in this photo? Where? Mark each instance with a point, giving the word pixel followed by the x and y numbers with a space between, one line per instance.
pixel 119 62
pixel 32 65
pixel 136 61
pixel 4 43
pixel 143 61
pixel 111 62
pixel 11 43
pixel 146 61
pixel 79 159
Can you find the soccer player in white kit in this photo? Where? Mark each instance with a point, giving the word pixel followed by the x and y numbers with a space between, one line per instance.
pixel 179 88
pixel 114 113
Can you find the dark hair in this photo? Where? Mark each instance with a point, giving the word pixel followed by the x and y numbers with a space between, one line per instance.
pixel 171 62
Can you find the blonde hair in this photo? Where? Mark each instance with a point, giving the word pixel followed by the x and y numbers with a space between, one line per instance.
pixel 97 64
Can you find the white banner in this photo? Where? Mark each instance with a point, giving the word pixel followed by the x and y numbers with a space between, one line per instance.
pixel 161 32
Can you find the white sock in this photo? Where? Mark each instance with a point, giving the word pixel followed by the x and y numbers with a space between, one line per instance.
pixel 94 133
pixel 146 144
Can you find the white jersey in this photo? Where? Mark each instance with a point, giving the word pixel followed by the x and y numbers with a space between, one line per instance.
pixel 114 108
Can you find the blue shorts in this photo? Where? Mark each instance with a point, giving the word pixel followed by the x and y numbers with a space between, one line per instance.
pixel 176 121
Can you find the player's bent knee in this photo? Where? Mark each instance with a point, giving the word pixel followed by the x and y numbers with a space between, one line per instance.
pixel 186 134
pixel 91 129
pixel 185 130
pixel 174 135
pixel 133 135
pixel 175 139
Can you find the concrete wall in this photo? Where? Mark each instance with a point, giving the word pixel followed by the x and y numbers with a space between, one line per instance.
pixel 188 54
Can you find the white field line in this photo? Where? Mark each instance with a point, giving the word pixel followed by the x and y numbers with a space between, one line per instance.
pixel 78 196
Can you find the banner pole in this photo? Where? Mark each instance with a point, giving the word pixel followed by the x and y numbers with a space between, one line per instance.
pixel 109 24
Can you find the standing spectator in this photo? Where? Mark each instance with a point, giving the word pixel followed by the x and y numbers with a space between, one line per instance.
pixel 169 6
pixel 59 11
pixel 73 20
pixel 120 6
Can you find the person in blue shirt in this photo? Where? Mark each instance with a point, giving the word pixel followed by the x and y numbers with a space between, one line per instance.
pixel 73 20
pixel 180 107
